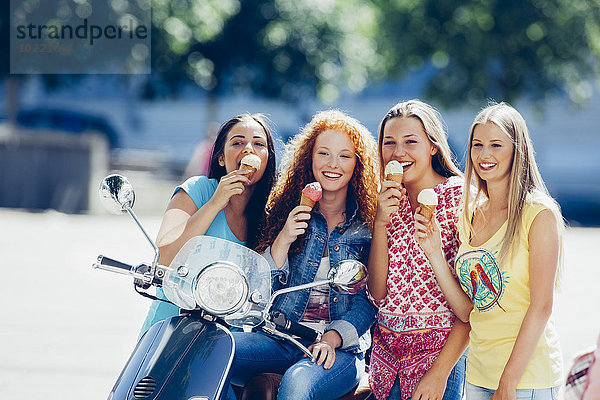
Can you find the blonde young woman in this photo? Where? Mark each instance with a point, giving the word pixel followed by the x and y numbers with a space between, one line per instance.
pixel 418 341
pixel 302 244
pixel 510 253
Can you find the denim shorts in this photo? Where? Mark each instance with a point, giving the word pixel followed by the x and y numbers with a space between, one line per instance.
pixel 480 393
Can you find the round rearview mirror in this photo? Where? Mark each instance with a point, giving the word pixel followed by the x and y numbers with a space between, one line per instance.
pixel 116 194
pixel 348 276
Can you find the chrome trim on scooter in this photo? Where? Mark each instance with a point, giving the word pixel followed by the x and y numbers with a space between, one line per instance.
pixel 226 374
pixel 233 304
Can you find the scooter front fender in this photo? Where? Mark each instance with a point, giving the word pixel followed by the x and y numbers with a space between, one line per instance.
pixel 181 358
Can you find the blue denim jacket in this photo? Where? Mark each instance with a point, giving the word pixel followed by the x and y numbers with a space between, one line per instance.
pixel 351 315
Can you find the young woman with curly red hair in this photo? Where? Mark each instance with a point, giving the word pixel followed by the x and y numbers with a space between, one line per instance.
pixel 301 243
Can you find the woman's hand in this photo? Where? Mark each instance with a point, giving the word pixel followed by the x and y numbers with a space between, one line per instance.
pixel 388 201
pixel 295 225
pixel 427 233
pixel 505 392
pixel 324 350
pixel 431 386
pixel 231 184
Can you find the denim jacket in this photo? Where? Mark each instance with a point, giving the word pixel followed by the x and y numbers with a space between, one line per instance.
pixel 351 315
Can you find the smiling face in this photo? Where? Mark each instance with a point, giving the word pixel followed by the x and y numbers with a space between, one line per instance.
pixel 245 137
pixel 405 140
pixel 333 161
pixel 491 153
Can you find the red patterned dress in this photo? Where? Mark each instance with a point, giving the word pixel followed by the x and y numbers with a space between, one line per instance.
pixel 414 318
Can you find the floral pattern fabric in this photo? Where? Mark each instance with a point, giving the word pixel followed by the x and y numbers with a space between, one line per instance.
pixel 414 318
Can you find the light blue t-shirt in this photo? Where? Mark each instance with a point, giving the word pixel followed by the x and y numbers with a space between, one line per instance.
pixel 201 190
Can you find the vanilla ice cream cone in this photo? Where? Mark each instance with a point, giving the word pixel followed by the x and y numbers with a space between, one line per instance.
pixel 248 168
pixel 428 200
pixel 394 171
pixel 395 177
pixel 427 211
pixel 251 163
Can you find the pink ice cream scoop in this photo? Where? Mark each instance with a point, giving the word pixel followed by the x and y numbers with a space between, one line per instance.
pixel 313 191
pixel 311 194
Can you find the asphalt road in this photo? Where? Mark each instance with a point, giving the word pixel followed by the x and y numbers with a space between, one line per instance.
pixel 67 330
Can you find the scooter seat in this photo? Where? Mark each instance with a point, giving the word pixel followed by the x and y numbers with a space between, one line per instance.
pixel 265 386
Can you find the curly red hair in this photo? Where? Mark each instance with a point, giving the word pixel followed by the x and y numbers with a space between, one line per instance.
pixel 296 172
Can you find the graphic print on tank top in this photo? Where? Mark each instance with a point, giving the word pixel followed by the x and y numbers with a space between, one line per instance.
pixel 481 278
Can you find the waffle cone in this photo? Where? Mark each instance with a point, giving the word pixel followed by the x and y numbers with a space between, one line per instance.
pixel 394 177
pixel 427 211
pixel 306 201
pixel 249 168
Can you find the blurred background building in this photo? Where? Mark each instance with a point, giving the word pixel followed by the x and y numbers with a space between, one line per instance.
pixel 212 59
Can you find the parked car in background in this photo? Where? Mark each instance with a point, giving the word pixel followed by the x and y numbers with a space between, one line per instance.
pixel 67 121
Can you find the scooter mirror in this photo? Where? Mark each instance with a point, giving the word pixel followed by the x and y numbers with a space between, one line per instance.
pixel 348 276
pixel 116 194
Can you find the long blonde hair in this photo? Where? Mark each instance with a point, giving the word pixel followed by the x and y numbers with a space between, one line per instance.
pixel 525 183
pixel 442 161
pixel 296 172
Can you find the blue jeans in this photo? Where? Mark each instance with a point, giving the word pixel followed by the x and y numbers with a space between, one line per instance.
pixel 256 353
pixel 480 393
pixel 454 386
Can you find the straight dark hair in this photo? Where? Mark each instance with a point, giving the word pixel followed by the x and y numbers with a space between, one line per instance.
pixel 255 209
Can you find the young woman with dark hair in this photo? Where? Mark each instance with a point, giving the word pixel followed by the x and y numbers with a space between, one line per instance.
pixel 228 204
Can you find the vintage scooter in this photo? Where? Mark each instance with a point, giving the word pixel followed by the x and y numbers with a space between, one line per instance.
pixel 217 284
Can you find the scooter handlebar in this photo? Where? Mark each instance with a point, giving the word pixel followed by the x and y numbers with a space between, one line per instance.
pixel 303 331
pixel 294 328
pixel 108 264
pixel 140 273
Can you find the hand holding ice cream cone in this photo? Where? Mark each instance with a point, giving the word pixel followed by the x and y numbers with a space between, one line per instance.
pixel 298 218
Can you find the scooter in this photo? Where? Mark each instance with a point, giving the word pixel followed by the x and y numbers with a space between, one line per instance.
pixel 217 284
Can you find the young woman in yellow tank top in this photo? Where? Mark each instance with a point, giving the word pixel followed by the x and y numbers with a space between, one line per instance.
pixel 507 264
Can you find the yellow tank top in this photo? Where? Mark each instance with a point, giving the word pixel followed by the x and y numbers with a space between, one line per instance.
pixel 501 297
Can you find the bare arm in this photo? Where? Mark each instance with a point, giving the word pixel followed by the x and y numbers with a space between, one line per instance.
pixel 183 220
pixel 387 204
pixel 430 238
pixel 543 264
pixel 433 384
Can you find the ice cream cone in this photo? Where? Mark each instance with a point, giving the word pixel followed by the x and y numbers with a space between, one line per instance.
pixel 251 163
pixel 306 201
pixel 394 171
pixel 395 177
pixel 427 211
pixel 428 200
pixel 250 169
pixel 311 193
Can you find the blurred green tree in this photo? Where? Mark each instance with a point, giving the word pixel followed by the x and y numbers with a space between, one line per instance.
pixel 291 49
pixel 501 49
pixel 468 50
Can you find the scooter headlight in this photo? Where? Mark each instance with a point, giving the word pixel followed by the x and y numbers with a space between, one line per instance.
pixel 221 288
